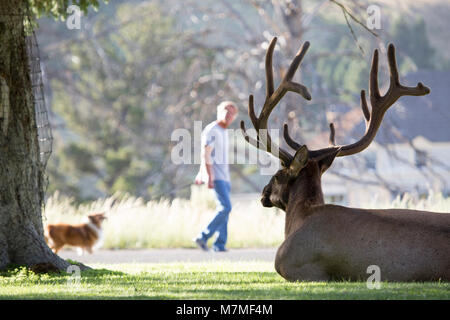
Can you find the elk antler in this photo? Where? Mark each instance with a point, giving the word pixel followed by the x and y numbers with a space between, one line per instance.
pixel 380 104
pixel 264 140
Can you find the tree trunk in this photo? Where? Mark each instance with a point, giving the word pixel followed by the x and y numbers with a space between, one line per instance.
pixel 21 172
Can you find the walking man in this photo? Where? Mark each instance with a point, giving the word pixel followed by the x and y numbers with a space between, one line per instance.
pixel 215 173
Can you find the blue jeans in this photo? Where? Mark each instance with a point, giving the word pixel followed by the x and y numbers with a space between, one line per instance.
pixel 220 221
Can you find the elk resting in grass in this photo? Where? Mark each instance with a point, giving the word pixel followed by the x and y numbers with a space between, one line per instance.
pixel 329 242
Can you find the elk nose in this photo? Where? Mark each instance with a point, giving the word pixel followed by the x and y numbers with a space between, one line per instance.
pixel 266 201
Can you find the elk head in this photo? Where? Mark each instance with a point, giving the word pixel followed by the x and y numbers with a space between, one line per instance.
pixel 301 173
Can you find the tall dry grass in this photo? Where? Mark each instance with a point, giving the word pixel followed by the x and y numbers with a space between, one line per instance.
pixel 434 201
pixel 133 223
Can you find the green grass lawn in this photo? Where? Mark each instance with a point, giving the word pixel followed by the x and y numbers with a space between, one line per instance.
pixel 212 280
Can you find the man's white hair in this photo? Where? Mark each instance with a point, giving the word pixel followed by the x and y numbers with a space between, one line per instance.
pixel 221 107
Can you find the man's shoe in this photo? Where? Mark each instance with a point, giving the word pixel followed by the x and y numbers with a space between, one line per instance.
pixel 218 249
pixel 201 244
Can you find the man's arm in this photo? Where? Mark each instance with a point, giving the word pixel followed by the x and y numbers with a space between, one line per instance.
pixel 209 168
pixel 207 162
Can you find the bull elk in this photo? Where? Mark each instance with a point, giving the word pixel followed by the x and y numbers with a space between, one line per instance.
pixel 329 242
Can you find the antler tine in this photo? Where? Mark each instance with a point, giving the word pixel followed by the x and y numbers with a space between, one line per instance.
pixel 364 106
pixel 393 71
pixel 249 139
pixel 374 92
pixel 331 140
pixel 291 143
pixel 269 69
pixel 254 119
pixel 251 112
pixel 380 104
pixel 296 62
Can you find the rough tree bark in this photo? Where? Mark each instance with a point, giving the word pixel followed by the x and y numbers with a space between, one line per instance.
pixel 21 173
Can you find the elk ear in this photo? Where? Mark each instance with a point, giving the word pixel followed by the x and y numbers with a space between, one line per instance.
pixel 300 160
pixel 326 160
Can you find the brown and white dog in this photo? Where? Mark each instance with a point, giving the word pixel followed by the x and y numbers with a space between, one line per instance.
pixel 85 236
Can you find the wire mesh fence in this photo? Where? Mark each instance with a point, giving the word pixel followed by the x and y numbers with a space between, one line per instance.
pixel 42 120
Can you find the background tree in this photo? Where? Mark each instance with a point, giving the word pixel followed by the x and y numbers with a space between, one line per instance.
pixel 21 171
pixel 145 79
pixel 412 38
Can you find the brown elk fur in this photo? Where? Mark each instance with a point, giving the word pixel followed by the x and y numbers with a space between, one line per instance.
pixel 330 242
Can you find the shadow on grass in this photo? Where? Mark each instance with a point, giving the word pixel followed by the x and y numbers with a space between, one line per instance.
pixel 22 272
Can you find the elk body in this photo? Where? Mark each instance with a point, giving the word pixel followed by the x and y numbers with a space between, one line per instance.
pixel 329 242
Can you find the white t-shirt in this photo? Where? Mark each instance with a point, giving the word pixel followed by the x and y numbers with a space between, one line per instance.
pixel 216 137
